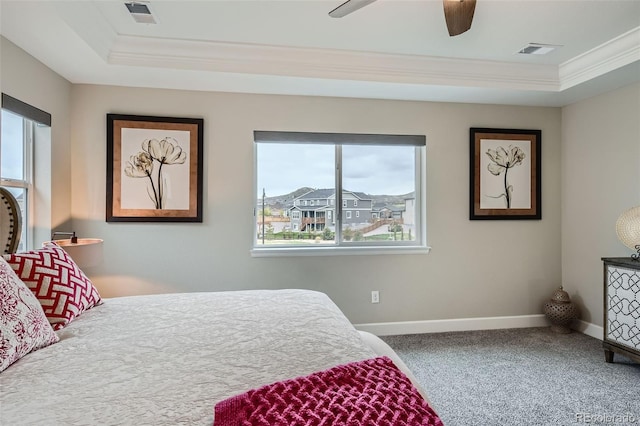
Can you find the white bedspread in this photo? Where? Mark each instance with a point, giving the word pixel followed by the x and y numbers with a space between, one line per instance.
pixel 167 359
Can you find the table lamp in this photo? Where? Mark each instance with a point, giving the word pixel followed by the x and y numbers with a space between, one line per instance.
pixel 628 230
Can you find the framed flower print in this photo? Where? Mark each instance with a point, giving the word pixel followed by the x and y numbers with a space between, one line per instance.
pixel 154 169
pixel 505 174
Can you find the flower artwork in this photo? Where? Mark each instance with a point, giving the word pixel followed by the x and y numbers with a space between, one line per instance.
pixel 501 161
pixel 149 164
pixel 505 174
pixel 154 169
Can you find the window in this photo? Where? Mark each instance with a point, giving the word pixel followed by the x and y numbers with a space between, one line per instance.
pixel 311 203
pixel 295 215
pixel 18 126
pixel 372 169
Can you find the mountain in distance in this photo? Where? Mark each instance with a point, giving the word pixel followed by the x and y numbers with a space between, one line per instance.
pixel 280 201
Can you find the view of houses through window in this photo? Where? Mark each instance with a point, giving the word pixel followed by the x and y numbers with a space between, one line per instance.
pixel 325 193
pixel 15 164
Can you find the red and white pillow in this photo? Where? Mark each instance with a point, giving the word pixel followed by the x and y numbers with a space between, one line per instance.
pixel 23 324
pixel 62 289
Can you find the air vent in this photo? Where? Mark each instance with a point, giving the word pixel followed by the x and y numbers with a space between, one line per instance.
pixel 538 49
pixel 141 12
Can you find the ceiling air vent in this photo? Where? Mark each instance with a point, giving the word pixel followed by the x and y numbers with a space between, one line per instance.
pixel 538 49
pixel 141 12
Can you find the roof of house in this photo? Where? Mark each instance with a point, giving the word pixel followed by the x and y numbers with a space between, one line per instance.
pixel 361 195
pixel 328 193
pixel 311 208
pixel 386 206
pixel 317 194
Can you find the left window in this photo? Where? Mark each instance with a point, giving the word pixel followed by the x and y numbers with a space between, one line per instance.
pixel 18 127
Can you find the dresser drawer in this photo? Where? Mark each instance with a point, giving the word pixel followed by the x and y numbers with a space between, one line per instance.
pixel 621 308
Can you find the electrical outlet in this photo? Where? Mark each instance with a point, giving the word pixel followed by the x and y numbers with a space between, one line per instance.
pixel 375 296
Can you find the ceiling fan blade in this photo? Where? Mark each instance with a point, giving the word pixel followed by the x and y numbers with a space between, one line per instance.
pixel 349 6
pixel 459 15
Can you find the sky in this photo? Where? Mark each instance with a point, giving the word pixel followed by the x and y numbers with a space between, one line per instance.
pixel 375 170
pixel 11 154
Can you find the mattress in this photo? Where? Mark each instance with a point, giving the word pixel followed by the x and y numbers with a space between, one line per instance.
pixel 168 359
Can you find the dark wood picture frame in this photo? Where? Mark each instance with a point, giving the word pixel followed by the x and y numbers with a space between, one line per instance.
pixel 154 169
pixel 505 174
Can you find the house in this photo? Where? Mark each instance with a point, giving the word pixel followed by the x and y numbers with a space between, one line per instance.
pixel 373 72
pixel 388 211
pixel 316 210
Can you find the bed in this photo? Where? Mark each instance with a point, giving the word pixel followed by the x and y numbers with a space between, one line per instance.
pixel 168 359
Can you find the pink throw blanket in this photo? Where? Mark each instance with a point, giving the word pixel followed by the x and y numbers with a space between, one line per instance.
pixel 373 392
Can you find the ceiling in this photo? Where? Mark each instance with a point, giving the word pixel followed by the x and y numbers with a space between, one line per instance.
pixel 390 49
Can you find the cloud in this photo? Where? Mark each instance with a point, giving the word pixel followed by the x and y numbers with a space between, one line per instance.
pixel 283 168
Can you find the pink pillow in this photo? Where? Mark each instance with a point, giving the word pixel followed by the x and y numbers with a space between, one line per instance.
pixel 62 289
pixel 23 325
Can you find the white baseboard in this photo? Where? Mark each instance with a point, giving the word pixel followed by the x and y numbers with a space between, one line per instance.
pixel 464 324
pixel 470 324
pixel 589 329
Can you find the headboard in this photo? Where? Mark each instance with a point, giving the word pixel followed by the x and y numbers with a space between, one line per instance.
pixel 10 222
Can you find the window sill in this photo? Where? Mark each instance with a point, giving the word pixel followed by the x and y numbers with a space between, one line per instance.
pixel 338 251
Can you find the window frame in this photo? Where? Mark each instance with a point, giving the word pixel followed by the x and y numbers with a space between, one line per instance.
pixel 338 140
pixel 32 118
pixel 26 183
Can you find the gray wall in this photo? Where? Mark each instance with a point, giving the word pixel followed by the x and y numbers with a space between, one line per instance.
pixel 476 268
pixel 28 80
pixel 600 180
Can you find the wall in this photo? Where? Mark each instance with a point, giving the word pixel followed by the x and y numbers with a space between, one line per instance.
pixel 30 81
pixel 600 179
pixel 476 269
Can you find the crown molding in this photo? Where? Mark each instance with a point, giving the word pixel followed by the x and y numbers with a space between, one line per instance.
pixel 616 53
pixel 330 64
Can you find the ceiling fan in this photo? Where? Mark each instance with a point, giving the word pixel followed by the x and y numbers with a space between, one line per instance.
pixel 457 13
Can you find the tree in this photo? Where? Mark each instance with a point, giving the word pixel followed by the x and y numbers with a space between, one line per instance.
pixel 395 227
pixel 327 235
pixel 347 234
pixel 267 212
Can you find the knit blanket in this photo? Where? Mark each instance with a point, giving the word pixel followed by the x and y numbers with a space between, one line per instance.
pixel 373 392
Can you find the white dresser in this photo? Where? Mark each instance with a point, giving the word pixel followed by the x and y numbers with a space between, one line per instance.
pixel 621 308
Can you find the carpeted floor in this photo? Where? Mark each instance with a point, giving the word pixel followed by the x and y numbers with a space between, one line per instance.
pixel 527 376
